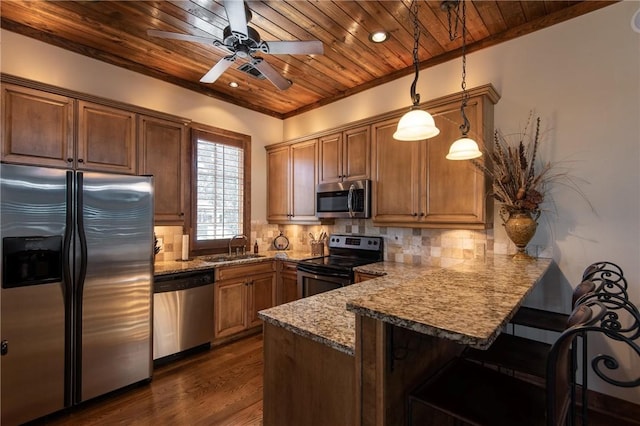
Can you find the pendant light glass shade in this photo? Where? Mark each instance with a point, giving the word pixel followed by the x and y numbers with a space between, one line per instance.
pixel 464 149
pixel 416 125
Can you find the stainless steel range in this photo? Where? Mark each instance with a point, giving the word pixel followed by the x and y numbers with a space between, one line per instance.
pixel 334 271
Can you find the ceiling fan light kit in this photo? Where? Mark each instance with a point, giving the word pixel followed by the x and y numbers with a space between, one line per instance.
pixel 416 124
pixel 240 41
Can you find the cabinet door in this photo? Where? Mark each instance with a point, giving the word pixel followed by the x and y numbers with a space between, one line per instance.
pixel 455 190
pixel 230 307
pixel 303 181
pixel 396 176
pixel 262 295
pixel 278 184
pixel 330 155
pixel 356 150
pixel 162 153
pixel 37 127
pixel 106 139
pixel 361 276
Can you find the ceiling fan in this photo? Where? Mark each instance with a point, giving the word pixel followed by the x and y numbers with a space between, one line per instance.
pixel 242 41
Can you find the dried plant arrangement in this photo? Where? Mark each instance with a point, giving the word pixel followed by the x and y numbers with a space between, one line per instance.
pixel 519 181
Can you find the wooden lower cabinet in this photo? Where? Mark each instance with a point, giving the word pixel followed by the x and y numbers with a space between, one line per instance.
pixel 241 291
pixel 287 282
pixel 306 382
pixel 361 276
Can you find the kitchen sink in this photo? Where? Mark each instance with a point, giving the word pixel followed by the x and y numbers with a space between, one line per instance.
pixel 229 258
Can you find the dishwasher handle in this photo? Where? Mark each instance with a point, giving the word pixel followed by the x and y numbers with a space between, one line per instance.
pixel 181 281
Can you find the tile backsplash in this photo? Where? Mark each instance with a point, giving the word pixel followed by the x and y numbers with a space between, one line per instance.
pixel 434 247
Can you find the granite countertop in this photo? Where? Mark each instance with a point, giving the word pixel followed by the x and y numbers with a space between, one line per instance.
pixel 199 262
pixel 468 303
pixel 324 317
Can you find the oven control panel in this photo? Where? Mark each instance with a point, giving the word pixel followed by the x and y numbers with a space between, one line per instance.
pixel 358 242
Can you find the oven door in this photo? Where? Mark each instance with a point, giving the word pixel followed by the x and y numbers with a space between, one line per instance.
pixel 314 282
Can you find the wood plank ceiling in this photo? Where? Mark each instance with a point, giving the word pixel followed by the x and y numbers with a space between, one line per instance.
pixel 116 32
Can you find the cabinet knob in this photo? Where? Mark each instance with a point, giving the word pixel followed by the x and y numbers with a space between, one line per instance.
pixel 414 214
pixel 421 213
pixel 80 160
pixel 69 160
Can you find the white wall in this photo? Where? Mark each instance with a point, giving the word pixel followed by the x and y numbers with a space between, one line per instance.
pixel 583 78
pixel 28 58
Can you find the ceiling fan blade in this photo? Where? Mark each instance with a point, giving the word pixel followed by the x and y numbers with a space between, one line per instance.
pixel 295 47
pixel 272 75
pixel 187 37
pixel 237 16
pixel 217 70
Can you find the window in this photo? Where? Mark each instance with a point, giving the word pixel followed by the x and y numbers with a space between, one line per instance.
pixel 220 201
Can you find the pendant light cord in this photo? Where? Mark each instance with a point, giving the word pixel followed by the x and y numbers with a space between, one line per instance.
pixel 415 97
pixel 465 126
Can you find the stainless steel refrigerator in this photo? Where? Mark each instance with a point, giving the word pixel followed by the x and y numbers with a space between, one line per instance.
pixel 77 287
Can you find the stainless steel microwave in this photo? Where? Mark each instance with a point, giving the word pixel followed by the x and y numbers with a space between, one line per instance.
pixel 348 199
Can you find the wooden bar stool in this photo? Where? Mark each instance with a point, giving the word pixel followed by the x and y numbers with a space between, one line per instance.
pixel 467 392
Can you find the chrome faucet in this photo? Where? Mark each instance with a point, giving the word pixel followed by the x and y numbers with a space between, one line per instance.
pixel 239 237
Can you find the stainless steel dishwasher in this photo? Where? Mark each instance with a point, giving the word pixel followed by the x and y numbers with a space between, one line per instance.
pixel 182 314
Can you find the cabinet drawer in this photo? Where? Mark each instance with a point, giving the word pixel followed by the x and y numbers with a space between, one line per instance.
pixel 290 267
pixel 241 271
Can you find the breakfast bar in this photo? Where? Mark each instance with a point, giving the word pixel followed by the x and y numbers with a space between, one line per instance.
pixel 350 356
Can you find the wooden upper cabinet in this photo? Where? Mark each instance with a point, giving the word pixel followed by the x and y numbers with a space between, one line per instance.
pixel 345 155
pixel 330 158
pixel 397 176
pixel 106 139
pixel 456 192
pixel 162 147
pixel 37 127
pixel 291 183
pixel 416 186
pixel 303 181
pixel 278 184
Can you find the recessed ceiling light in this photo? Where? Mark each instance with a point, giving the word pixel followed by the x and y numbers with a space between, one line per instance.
pixel 379 36
pixel 233 84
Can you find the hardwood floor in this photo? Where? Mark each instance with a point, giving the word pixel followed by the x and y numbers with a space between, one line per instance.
pixel 222 386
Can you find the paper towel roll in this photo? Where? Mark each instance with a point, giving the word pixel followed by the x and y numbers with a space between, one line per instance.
pixel 185 247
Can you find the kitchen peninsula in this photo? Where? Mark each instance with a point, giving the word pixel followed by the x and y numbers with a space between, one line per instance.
pixel 349 356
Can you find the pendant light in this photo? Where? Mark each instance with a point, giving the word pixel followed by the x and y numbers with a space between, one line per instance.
pixel 464 148
pixel 416 124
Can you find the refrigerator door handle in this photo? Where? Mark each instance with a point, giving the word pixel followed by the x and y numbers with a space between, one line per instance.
pixel 67 288
pixel 68 234
pixel 81 234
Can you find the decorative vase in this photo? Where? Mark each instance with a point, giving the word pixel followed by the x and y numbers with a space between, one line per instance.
pixel 520 226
